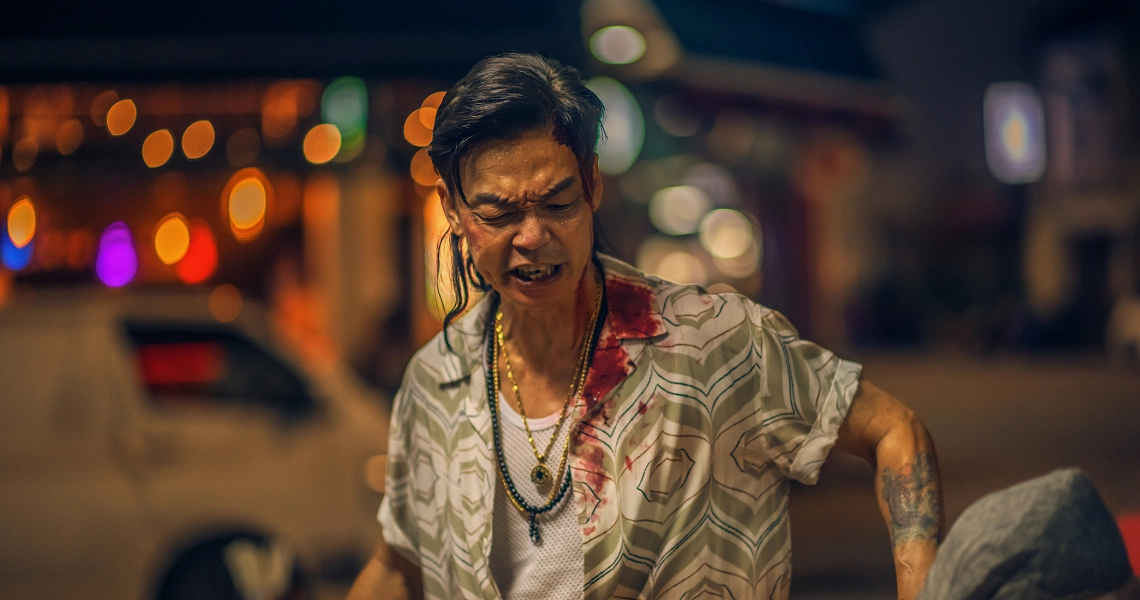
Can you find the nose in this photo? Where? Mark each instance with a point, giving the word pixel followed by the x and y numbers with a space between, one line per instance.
pixel 532 233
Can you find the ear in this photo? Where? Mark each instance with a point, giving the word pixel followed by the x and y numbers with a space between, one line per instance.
pixel 596 174
pixel 450 208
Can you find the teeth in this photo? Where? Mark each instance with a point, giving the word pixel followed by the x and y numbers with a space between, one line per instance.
pixel 535 272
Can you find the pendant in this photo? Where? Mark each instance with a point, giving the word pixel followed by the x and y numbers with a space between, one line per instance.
pixel 534 537
pixel 540 474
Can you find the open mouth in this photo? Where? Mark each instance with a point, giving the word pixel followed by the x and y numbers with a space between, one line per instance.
pixel 536 273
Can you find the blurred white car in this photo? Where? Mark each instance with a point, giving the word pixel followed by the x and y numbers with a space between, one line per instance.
pixel 149 451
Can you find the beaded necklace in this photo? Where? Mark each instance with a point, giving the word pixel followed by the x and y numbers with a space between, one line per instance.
pixel 558 493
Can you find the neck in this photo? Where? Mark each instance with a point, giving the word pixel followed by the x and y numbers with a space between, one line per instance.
pixel 538 335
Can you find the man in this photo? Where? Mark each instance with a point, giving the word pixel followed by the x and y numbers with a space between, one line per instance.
pixel 589 431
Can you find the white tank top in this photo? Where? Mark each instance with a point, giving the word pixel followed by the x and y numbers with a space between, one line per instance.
pixel 553 568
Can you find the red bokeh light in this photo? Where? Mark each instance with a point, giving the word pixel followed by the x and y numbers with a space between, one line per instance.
pixel 201 258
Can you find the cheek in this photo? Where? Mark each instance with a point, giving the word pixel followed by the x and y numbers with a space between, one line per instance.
pixel 483 245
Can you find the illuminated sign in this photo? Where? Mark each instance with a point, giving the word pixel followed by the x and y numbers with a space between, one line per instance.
pixel 1015 132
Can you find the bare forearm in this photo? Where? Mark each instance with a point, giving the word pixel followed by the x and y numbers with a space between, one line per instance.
pixel 909 490
pixel 387 576
pixel 887 434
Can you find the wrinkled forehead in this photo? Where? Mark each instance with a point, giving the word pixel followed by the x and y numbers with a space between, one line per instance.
pixel 520 169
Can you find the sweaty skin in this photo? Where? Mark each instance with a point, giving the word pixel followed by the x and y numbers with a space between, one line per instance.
pixel 526 208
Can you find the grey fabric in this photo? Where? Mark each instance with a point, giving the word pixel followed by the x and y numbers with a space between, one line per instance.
pixel 1047 538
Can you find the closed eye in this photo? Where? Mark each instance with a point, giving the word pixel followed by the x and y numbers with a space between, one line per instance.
pixel 500 219
pixel 563 206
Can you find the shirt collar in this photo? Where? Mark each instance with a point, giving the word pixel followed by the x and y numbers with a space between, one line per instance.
pixel 632 314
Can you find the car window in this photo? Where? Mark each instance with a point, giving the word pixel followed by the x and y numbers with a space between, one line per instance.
pixel 186 367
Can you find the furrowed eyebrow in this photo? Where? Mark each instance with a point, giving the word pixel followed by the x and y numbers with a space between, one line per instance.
pixel 495 200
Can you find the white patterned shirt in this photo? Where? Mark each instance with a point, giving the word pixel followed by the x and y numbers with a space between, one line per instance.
pixel 697 411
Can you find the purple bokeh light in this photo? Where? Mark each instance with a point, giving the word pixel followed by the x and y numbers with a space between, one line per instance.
pixel 117 262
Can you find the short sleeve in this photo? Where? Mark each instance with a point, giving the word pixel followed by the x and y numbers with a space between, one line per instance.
pixel 805 393
pixel 396 516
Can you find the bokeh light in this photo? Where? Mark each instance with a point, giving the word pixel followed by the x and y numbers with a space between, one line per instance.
pixel 434 100
pixel 415 131
pixel 198 139
pixel 423 171
pixel 681 267
pixel 279 110
pixel 69 136
pixel 121 117
pixel 1015 132
pixel 672 259
pixel 24 154
pixel 427 117
pixel 225 303
pixel 345 105
pixel 246 200
pixel 22 222
pixel 157 148
pixel 744 265
pixel 247 203
pixel 677 210
pixel 617 45
pixel 100 105
pixel 243 147
pixel 116 262
pixel 201 259
pixel 624 125
pixel 322 143
pixel 172 238
pixel 15 258
pixel 726 233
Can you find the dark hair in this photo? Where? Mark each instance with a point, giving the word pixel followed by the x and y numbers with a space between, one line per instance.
pixel 501 98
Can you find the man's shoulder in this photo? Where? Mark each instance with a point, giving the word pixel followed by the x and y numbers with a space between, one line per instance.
pixel 664 293
pixel 450 355
pixel 691 313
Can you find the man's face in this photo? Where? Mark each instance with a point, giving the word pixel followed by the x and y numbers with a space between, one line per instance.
pixel 527 222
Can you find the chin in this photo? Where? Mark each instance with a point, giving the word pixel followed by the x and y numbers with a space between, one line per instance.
pixel 546 293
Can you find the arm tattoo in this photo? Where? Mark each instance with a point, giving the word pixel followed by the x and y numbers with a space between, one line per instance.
pixel 912 496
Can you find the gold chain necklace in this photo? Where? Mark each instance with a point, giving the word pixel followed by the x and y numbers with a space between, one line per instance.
pixel 541 473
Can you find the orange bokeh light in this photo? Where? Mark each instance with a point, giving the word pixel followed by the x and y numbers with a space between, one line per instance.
pixel 434 100
pixel 427 117
pixel 69 136
pixel 21 222
pixel 201 259
pixel 157 148
pixel 415 131
pixel 423 171
pixel 322 143
pixel 197 139
pixel 282 105
pixel 225 303
pixel 245 202
pixel 24 154
pixel 121 117
pixel 172 238
pixel 100 105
